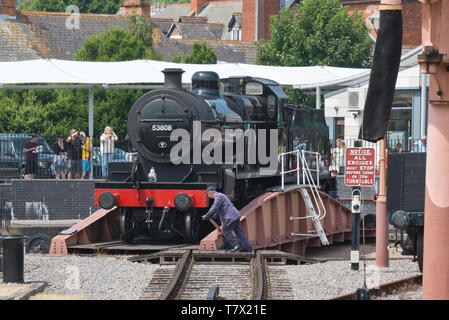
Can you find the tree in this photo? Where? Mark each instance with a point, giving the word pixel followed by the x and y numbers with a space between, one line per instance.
pixel 85 6
pixel 201 54
pixel 52 112
pixel 113 45
pixel 319 33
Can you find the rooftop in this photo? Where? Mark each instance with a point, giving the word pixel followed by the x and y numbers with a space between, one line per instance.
pixel 53 35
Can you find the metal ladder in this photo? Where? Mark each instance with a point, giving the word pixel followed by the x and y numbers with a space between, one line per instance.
pixel 308 181
pixel 315 218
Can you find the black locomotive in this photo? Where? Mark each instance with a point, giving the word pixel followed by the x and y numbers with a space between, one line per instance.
pixel 186 141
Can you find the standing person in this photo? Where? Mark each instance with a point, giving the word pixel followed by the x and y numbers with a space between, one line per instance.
pixel 230 221
pixel 339 155
pixel 60 163
pixel 30 149
pixel 87 149
pixel 107 150
pixel 420 145
pixel 74 155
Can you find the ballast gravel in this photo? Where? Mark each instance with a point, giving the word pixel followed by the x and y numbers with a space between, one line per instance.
pixel 115 278
pixel 335 278
pixel 92 278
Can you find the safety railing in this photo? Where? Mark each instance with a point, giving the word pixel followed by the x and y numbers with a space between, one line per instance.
pixel 281 158
pixel 307 178
pixel 302 158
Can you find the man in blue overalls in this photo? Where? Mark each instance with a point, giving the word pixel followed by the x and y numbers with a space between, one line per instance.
pixel 230 221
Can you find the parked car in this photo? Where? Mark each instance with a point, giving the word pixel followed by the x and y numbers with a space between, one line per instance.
pixel 9 162
pixel 18 156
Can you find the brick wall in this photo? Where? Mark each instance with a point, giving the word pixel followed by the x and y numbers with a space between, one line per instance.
pixel 412 24
pixel 266 9
pixel 249 20
pixel 139 7
pixel 50 199
pixel 272 8
pixel 411 18
pixel 8 7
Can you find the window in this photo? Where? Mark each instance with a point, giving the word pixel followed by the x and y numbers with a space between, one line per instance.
pixel 400 123
pixel 236 34
pixel 254 89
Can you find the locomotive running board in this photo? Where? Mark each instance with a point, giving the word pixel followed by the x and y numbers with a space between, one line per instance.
pixel 266 221
pixel 100 227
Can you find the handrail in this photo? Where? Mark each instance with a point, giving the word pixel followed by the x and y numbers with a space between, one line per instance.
pixel 281 158
pixel 307 174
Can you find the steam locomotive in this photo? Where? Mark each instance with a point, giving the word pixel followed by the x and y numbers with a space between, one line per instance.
pixel 180 136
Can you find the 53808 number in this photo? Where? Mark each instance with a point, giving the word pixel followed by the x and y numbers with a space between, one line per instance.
pixel 160 127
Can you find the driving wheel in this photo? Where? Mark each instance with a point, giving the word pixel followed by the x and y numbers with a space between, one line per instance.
pixel 127 225
pixel 192 226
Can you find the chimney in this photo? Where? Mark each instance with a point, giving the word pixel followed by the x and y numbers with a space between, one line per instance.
pixel 196 5
pixel 139 7
pixel 173 78
pixel 256 18
pixel 8 9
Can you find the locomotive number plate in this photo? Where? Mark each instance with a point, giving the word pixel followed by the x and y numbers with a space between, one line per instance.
pixel 160 127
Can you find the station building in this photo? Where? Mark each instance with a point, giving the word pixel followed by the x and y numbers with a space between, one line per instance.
pixel 344 108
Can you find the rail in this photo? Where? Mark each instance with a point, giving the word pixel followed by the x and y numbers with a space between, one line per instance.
pixel 180 274
pixel 261 293
pixel 386 288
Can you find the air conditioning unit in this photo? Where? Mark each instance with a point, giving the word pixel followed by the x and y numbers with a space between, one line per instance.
pixel 356 99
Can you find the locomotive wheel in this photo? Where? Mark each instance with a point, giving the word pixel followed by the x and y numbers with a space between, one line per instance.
pixel 420 247
pixel 192 226
pixel 127 225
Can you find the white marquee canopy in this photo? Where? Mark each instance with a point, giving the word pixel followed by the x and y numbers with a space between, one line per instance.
pixel 149 71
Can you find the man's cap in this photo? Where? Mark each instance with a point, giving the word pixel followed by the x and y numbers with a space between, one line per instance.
pixel 211 189
pixel 82 134
pixel 72 131
pixel 61 136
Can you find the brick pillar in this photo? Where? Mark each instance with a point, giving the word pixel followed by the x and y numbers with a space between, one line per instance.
pixel 248 20
pixel 139 7
pixel 271 9
pixel 196 5
pixel 256 18
pixel 7 7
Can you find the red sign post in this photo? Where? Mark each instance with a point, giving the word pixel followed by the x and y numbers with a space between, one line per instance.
pixel 360 163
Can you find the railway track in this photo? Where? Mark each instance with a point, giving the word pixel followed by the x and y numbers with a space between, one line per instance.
pixel 200 275
pixel 386 289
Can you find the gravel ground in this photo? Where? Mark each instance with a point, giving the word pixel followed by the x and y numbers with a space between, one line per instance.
pixel 95 278
pixel 115 278
pixel 334 278
pixel 411 295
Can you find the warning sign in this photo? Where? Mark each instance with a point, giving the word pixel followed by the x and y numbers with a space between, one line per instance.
pixel 360 167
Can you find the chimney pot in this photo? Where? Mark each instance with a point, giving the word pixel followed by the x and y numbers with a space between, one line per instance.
pixel 173 78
